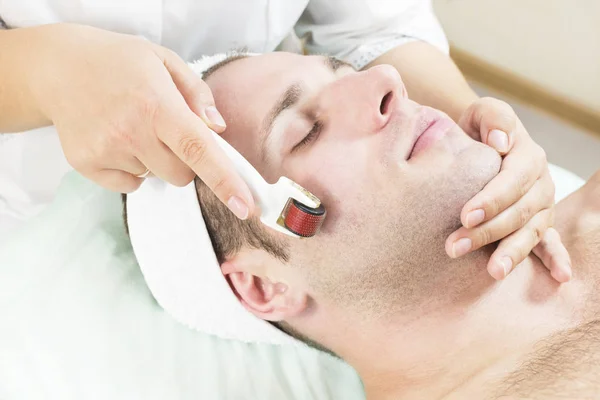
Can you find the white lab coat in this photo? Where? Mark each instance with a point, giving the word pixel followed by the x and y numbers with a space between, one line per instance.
pixel 358 31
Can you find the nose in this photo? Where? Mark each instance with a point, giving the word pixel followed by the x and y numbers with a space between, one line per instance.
pixel 365 101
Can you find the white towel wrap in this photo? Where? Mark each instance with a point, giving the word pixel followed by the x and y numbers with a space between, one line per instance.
pixel 175 254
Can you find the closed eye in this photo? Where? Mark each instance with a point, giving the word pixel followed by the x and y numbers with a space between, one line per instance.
pixel 312 135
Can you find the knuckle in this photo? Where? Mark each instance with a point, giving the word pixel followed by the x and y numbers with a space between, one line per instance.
pixel 220 185
pixel 193 150
pixel 149 106
pixel 492 206
pixel 484 236
pixel 120 136
pixel 537 233
pixel 524 214
pixel 522 183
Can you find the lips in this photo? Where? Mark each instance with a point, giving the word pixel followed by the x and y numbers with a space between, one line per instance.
pixel 430 127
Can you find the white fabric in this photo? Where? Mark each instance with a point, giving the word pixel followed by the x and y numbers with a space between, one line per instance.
pixel 193 28
pixel 31 166
pixel 565 182
pixel 79 323
pixel 360 31
pixel 175 253
pixel 356 30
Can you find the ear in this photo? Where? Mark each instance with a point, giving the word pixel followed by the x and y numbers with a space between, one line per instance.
pixel 258 281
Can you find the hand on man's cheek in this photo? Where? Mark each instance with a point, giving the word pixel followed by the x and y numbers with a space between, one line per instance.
pixel 517 207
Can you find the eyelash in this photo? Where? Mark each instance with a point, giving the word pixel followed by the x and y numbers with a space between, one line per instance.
pixel 312 135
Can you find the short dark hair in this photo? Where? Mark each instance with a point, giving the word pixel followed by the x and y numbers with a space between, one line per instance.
pixel 228 234
pixel 237 55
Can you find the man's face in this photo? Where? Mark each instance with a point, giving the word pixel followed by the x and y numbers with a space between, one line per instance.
pixel 393 175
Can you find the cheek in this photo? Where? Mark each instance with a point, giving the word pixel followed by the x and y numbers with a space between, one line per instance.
pixel 334 171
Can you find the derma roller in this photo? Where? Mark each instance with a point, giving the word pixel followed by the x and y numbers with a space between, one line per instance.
pixel 284 206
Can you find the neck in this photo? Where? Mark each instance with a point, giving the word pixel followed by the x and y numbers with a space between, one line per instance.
pixel 449 351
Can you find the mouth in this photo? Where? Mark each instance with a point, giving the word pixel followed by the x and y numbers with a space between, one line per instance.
pixel 431 126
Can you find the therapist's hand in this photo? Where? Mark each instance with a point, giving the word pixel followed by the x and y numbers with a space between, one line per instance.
pixel 123 105
pixel 516 208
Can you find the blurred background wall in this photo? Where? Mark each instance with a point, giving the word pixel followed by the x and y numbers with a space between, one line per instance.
pixel 543 57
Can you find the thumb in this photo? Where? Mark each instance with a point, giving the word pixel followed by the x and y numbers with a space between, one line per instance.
pixel 491 121
pixel 194 90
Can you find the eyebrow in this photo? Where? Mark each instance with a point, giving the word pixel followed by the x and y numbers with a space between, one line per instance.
pixel 335 63
pixel 290 98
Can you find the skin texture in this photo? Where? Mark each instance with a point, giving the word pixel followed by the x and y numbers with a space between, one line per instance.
pixel 356 164
pixel 124 107
pixel 517 206
pixel 376 285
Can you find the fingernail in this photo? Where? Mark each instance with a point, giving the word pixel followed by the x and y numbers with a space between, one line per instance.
pixel 461 247
pixel 567 272
pixel 214 116
pixel 506 263
pixel 475 217
pixel 498 140
pixel 561 275
pixel 238 207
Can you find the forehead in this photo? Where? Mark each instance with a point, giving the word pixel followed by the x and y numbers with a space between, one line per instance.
pixel 246 90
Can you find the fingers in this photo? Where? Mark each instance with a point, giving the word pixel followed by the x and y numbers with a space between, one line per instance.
pixel 553 253
pixel 514 248
pixel 163 163
pixel 517 175
pixel 115 180
pixel 510 220
pixel 191 140
pixel 194 90
pixel 194 144
pixel 492 121
pixel 124 162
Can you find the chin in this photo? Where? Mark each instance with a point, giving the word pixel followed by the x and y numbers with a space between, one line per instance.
pixel 459 180
pixel 475 167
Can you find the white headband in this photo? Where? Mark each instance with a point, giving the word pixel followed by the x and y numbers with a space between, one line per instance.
pixel 174 251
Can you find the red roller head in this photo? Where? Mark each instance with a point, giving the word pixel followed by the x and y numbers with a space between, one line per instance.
pixel 302 220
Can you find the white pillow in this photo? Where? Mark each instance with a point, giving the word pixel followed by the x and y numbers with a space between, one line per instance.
pixel 78 322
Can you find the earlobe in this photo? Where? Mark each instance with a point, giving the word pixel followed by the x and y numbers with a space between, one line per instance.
pixel 268 299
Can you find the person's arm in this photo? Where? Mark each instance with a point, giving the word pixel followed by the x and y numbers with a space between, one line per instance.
pixel 431 77
pixel 122 107
pixel 19 110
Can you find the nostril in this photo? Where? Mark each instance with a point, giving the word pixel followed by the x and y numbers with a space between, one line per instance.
pixel 385 102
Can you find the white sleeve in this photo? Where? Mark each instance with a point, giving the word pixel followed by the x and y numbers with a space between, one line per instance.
pixel 358 31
